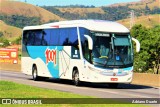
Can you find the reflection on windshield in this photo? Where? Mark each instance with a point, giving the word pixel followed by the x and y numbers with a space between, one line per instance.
pixel 112 51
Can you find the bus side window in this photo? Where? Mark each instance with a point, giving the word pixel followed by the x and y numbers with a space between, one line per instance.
pixel 73 37
pixel 63 41
pixel 45 37
pixel 25 37
pixel 30 40
pixel 54 37
pixel 37 37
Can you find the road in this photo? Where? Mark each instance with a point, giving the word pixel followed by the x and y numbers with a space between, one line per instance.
pixel 97 90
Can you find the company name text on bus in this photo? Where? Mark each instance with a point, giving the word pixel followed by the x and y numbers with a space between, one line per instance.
pixel 51 56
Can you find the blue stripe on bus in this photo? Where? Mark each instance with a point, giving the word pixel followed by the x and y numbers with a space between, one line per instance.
pixel 49 55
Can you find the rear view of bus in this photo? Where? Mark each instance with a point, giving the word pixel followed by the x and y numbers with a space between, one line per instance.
pixel 103 52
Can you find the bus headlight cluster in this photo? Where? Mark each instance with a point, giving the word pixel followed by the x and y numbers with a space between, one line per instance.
pixel 93 69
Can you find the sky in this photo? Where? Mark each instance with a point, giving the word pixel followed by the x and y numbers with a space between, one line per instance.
pixel 96 3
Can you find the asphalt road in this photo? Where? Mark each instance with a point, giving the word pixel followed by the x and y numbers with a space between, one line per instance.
pixel 97 90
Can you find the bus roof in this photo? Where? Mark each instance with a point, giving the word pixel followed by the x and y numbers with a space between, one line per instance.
pixel 94 25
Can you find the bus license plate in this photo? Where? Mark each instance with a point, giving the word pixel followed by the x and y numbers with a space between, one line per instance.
pixel 114 79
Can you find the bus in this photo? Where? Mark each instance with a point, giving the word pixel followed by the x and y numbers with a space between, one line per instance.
pixel 95 51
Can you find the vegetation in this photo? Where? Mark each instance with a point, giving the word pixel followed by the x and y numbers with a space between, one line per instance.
pixel 15 90
pixel 148 21
pixel 148 60
pixel 19 21
pixel 26 10
pixel 17 41
pixel 9 35
pixel 75 6
pixel 110 13
pixel 1 34
pixel 4 42
pixel 9 32
pixel 12 90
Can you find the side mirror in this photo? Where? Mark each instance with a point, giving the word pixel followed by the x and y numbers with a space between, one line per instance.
pixel 137 44
pixel 90 42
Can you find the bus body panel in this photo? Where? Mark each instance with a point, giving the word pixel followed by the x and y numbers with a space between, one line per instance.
pixel 94 25
pixel 59 61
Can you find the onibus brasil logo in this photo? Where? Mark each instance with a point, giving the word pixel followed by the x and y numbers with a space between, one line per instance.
pixel 51 56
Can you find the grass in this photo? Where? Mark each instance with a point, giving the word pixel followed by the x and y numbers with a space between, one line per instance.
pixel 147 21
pixel 82 11
pixel 141 5
pixel 12 90
pixel 10 32
pixel 15 90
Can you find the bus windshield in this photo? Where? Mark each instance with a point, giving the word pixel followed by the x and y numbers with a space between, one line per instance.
pixel 111 50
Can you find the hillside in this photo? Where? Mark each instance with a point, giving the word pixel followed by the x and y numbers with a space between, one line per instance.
pixel 142 4
pixel 9 32
pixel 81 11
pixel 147 21
pixel 112 12
pixel 27 10
pixel 139 5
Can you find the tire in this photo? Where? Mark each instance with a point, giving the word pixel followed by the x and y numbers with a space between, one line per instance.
pixel 76 80
pixel 113 85
pixel 35 74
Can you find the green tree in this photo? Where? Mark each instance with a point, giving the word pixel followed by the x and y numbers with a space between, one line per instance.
pixel 1 34
pixel 155 49
pixel 17 41
pixel 4 41
pixel 148 59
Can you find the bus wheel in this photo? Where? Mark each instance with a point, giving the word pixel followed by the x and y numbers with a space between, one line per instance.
pixel 76 78
pixel 35 74
pixel 113 85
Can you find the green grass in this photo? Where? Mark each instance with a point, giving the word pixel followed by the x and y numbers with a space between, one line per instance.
pixel 15 90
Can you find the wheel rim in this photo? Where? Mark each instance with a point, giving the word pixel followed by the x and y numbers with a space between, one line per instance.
pixel 34 74
pixel 76 77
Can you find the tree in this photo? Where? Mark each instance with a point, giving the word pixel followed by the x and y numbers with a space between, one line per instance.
pixel 17 41
pixel 1 34
pixel 148 59
pixel 155 49
pixel 4 41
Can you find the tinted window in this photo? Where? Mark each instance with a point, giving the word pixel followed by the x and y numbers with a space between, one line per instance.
pixel 25 37
pixel 45 37
pixel 63 37
pixel 84 43
pixel 73 37
pixel 37 37
pixel 54 37
pixel 121 41
pixel 30 40
pixel 33 37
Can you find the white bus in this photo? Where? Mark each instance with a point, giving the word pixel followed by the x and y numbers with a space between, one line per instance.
pixel 80 50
